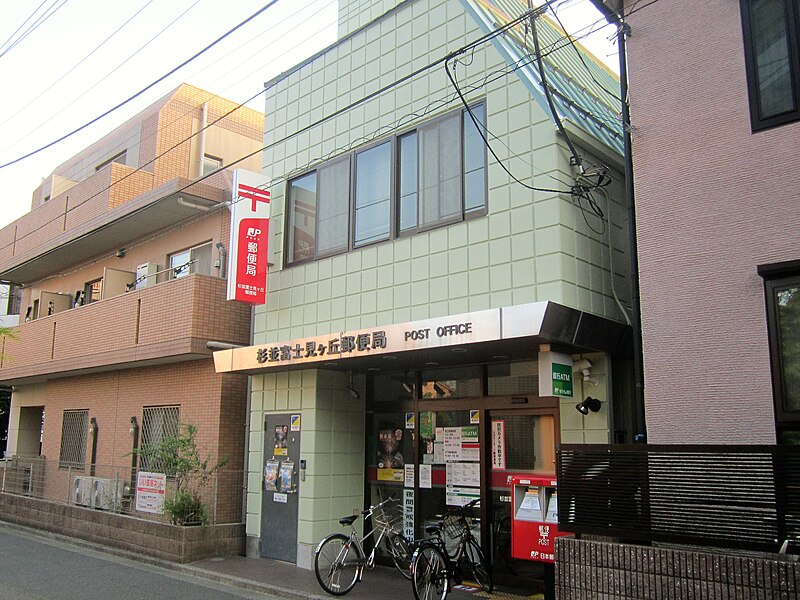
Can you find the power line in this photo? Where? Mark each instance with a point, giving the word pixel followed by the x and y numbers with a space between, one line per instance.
pixel 336 113
pixel 30 16
pixel 143 90
pixel 34 26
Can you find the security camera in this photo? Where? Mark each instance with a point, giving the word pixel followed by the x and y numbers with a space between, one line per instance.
pixel 583 364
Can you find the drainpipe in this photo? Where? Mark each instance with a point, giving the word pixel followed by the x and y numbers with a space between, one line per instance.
pixel 614 16
pixel 201 138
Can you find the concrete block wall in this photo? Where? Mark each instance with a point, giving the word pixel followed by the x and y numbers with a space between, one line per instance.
pixel 611 571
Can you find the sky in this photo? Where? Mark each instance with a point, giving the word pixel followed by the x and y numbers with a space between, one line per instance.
pixel 65 63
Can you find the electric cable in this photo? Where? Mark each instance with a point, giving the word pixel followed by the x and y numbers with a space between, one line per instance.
pixel 34 26
pixel 49 88
pixel 29 17
pixel 316 123
pixel 140 92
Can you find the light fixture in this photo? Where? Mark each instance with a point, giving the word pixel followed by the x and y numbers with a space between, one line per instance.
pixel 134 427
pixel 121 253
pixel 458 350
pixel 590 404
pixel 92 426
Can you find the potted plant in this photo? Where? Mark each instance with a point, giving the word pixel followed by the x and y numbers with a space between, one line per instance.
pixel 179 458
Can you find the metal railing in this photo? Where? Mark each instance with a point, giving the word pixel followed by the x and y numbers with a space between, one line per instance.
pixel 725 496
pixel 216 500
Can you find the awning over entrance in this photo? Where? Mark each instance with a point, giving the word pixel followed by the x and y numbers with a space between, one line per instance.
pixel 510 333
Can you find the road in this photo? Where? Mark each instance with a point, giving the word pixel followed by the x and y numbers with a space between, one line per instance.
pixel 37 568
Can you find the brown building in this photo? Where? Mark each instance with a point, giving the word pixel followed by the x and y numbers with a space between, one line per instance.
pixel 121 264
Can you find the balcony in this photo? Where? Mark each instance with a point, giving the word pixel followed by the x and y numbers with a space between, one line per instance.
pixel 115 204
pixel 168 322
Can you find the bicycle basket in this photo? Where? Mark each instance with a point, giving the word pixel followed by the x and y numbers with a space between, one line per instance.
pixel 454 525
pixel 388 517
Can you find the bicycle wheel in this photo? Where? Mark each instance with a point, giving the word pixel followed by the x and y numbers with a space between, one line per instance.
pixel 480 568
pixel 429 578
pixel 400 551
pixel 337 562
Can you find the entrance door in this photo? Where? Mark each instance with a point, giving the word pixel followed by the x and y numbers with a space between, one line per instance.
pixel 280 487
pixel 522 442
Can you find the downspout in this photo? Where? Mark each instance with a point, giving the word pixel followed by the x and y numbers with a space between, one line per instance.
pixel 201 138
pixel 624 30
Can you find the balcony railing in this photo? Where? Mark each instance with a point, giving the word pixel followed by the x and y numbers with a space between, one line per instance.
pixel 166 322
pixel 726 496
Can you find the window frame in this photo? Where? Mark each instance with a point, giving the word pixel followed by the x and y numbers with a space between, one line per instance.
pixel 757 122
pixel 191 263
pixel 119 158
pixel 776 277
pixel 215 162
pixel 394 199
pixel 77 445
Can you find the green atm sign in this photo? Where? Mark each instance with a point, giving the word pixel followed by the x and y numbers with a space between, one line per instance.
pixel 562 380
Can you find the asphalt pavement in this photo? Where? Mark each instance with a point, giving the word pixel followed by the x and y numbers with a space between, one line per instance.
pixel 263 577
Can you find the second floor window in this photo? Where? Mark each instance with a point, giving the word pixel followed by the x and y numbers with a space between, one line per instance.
pixel 432 176
pixel 210 164
pixel 772 59
pixel 191 260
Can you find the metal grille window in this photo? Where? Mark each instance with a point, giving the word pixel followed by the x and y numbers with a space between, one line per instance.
pixel 74 430
pixel 158 422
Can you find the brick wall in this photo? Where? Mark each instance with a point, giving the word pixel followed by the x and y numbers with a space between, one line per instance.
pixel 610 571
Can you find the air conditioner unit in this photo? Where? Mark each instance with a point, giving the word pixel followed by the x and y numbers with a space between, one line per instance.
pixel 146 275
pixel 107 494
pixel 82 491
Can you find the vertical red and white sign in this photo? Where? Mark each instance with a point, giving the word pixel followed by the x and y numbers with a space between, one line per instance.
pixel 249 244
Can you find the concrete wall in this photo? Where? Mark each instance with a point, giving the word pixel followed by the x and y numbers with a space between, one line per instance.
pixel 714 201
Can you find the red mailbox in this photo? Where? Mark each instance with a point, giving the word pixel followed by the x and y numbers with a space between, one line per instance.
pixel 534 518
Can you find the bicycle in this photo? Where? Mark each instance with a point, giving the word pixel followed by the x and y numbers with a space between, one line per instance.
pixel 433 566
pixel 339 559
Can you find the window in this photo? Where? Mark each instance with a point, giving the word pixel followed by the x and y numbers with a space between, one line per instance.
pixel 191 260
pixel 117 158
pixel 211 164
pixel 92 291
pixel 74 429
pixel 783 318
pixel 410 183
pixel 772 59
pixel 158 422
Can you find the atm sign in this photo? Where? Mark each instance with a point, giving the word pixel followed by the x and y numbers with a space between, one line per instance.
pixel 562 380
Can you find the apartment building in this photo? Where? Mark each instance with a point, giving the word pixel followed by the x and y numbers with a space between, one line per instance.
pixel 450 260
pixel 120 266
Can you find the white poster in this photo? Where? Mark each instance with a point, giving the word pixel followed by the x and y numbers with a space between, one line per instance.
pixel 425 476
pixel 452 444
pixel 150 491
pixel 458 496
pixel 466 474
pixel 438 453
pixel 408 513
pixel 499 445
pixel 409 476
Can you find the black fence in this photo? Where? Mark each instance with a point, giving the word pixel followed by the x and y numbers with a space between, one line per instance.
pixel 725 496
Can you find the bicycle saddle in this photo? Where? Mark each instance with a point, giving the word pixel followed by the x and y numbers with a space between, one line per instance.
pixel 348 520
pixel 432 529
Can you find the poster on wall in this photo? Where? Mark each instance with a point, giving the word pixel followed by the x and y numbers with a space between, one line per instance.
pixel 271 476
pixel 498 444
pixel 408 513
pixel 280 447
pixel 286 477
pixel 390 459
pixel 150 491
pixel 462 474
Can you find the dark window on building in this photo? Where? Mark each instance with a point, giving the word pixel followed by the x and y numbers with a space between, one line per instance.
pixel 783 318
pixel 117 158
pixel 211 164
pixel 92 291
pixel 74 429
pixel 158 422
pixel 432 176
pixel 772 59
